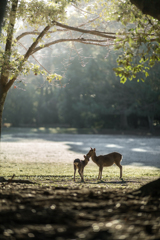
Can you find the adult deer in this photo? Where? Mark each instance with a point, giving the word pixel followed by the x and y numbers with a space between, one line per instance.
pixel 80 164
pixel 105 160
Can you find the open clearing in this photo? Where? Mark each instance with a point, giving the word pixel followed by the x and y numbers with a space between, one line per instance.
pixel 19 146
pixel 42 201
pixel 28 152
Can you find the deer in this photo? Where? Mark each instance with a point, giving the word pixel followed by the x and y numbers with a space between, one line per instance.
pixel 105 160
pixel 80 164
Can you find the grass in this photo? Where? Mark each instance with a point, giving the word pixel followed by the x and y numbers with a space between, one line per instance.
pixel 60 174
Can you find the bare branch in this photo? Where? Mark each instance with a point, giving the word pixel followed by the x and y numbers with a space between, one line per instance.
pixel 80 9
pixel 34 58
pixel 90 21
pixel 80 40
pixel 92 32
pixel 63 29
pixel 26 56
pixel 35 43
pixel 37 33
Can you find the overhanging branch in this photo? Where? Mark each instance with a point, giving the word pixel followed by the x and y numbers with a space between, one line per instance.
pixel 91 32
pixel 26 56
pixel 64 28
pixel 80 40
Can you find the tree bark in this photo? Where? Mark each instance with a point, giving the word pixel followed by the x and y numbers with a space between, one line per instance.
pixel 150 122
pixel 124 120
pixel 2 101
pixel 149 189
pixel 7 55
pixel 2 11
pixel 149 7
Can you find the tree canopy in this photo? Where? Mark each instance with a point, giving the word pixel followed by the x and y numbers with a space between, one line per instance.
pixel 151 7
pixel 101 23
pixel 33 26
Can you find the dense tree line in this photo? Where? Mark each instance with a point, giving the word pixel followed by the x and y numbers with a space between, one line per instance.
pixel 88 96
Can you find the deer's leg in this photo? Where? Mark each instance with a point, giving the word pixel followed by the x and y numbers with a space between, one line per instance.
pixel 82 177
pixel 120 171
pixel 80 173
pixel 100 173
pixel 120 167
pixel 101 169
pixel 74 172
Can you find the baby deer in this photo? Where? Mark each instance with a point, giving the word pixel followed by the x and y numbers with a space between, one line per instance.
pixel 80 164
pixel 105 160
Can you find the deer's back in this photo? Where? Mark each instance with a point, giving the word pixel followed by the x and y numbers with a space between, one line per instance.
pixel 77 162
pixel 109 159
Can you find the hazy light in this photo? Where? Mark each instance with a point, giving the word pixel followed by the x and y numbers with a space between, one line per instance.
pixel 138 150
pixel 113 146
pixel 76 143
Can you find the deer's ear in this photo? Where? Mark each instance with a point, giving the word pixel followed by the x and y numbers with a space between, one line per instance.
pixel 94 149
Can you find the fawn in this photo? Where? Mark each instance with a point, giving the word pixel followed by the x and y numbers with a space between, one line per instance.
pixel 80 164
pixel 105 160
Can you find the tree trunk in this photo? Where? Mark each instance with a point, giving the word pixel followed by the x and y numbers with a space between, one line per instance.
pixel 149 189
pixel 124 120
pixel 2 101
pixel 150 7
pixel 3 95
pixel 150 122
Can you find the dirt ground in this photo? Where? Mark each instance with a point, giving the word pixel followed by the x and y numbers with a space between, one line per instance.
pixel 37 210
pixel 32 211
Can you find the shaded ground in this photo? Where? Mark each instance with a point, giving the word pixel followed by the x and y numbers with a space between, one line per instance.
pixel 42 211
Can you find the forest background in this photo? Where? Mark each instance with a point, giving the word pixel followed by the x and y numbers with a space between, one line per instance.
pixel 89 95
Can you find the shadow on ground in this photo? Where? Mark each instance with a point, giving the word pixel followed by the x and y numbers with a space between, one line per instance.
pixel 41 211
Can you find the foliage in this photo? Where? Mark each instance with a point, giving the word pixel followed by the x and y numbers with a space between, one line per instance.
pixel 20 15
pixel 89 96
pixel 137 36
pixel 140 45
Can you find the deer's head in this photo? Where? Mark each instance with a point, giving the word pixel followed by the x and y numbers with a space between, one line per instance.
pixel 91 152
pixel 86 157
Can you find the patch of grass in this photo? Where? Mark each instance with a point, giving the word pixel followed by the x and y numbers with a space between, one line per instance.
pixel 61 175
pixel 66 169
